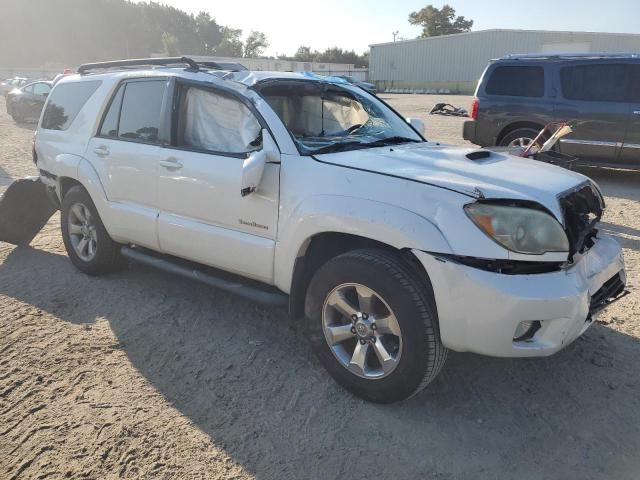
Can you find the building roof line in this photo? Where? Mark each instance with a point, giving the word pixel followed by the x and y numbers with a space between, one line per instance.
pixel 509 30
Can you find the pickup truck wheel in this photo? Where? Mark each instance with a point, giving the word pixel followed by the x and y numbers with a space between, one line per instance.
pixel 88 244
pixel 373 325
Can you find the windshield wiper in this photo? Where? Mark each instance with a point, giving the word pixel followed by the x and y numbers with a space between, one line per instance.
pixel 391 141
pixel 338 147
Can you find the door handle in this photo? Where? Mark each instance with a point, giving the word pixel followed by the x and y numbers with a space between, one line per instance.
pixel 171 163
pixel 636 112
pixel 101 151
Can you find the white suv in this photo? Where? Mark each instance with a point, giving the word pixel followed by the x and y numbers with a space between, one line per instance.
pixel 284 185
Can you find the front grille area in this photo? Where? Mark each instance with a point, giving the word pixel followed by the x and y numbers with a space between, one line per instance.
pixel 582 209
pixel 612 290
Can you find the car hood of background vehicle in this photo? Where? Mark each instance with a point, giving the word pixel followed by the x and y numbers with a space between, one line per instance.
pixel 498 176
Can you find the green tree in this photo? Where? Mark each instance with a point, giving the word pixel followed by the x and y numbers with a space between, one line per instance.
pixel 443 21
pixel 231 45
pixel 304 54
pixel 209 33
pixel 255 44
pixel 170 44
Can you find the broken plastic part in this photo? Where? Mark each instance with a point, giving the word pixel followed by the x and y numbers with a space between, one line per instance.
pixel 25 208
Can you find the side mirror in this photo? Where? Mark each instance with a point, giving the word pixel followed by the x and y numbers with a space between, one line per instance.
pixel 417 124
pixel 253 166
pixel 252 170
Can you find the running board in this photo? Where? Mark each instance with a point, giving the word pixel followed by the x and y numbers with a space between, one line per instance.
pixel 249 289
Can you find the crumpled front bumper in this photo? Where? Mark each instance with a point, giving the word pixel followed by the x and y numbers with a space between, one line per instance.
pixel 479 310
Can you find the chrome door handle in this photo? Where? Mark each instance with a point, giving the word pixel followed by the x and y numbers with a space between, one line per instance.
pixel 101 151
pixel 171 164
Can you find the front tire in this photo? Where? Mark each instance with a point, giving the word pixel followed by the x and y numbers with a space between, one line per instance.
pixel 373 325
pixel 89 246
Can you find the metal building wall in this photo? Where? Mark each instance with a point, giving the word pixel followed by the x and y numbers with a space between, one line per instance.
pixel 453 63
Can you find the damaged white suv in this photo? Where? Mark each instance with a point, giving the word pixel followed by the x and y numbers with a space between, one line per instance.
pixel 293 187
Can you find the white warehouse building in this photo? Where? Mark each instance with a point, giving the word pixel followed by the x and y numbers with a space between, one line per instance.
pixel 454 63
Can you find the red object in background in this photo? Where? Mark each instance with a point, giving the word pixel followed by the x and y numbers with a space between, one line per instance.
pixel 475 105
pixel 67 71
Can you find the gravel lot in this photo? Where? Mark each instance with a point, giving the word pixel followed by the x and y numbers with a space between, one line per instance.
pixel 143 375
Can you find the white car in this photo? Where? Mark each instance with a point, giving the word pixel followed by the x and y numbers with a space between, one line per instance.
pixel 285 186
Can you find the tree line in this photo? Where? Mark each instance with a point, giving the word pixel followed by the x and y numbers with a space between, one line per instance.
pixel 40 33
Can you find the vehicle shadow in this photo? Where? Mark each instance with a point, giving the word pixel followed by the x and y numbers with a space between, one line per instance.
pixel 622 234
pixel 245 376
pixel 617 183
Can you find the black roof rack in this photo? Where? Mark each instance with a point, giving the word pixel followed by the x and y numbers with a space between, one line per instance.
pixel 530 56
pixel 140 62
pixel 191 64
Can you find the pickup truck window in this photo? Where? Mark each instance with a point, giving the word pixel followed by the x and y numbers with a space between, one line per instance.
pixel 325 118
pixel 211 122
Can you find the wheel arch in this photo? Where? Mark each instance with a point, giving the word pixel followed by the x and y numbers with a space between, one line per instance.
pixel 324 246
pixel 517 125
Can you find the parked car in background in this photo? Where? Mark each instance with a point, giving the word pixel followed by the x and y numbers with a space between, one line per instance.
pixel 10 83
pixel 25 104
pixel 597 94
pixel 370 87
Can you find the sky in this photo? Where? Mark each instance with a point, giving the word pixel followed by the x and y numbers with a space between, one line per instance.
pixel 355 24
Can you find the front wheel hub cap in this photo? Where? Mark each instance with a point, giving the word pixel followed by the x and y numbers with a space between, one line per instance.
pixel 362 331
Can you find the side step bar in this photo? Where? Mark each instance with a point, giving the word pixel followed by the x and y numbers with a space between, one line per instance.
pixel 249 289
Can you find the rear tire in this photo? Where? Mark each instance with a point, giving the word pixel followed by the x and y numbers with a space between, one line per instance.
pixel 521 137
pixel 89 246
pixel 376 286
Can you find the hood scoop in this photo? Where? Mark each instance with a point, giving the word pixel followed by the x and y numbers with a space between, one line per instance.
pixel 478 155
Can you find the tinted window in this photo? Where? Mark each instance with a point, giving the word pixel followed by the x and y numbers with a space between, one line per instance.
pixel 635 84
pixel 516 81
pixel 28 89
pixel 41 89
pixel 213 122
pixel 141 111
pixel 596 83
pixel 109 126
pixel 65 102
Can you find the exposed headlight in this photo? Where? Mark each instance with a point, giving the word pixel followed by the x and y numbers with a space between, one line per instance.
pixel 519 229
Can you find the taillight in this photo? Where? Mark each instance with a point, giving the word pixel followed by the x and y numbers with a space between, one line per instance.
pixel 475 105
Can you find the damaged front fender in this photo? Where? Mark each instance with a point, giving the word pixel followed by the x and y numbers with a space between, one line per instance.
pixel 25 207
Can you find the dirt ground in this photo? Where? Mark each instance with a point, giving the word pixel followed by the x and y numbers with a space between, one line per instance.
pixel 144 375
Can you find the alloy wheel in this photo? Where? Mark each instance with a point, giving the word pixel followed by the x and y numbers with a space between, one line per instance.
pixel 362 331
pixel 82 232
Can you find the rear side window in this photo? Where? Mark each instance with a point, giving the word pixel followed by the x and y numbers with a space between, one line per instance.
pixel 596 83
pixel 135 112
pixel 65 102
pixel 515 81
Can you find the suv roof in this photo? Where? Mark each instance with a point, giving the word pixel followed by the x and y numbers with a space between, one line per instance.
pixel 568 56
pixel 195 68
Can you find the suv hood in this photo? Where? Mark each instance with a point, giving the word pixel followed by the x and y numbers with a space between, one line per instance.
pixel 498 176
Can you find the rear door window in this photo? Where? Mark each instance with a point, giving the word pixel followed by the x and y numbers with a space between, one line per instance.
pixel 141 112
pixel 596 83
pixel 516 81
pixel 65 102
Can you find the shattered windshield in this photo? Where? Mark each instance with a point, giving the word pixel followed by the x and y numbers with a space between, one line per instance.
pixel 325 117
